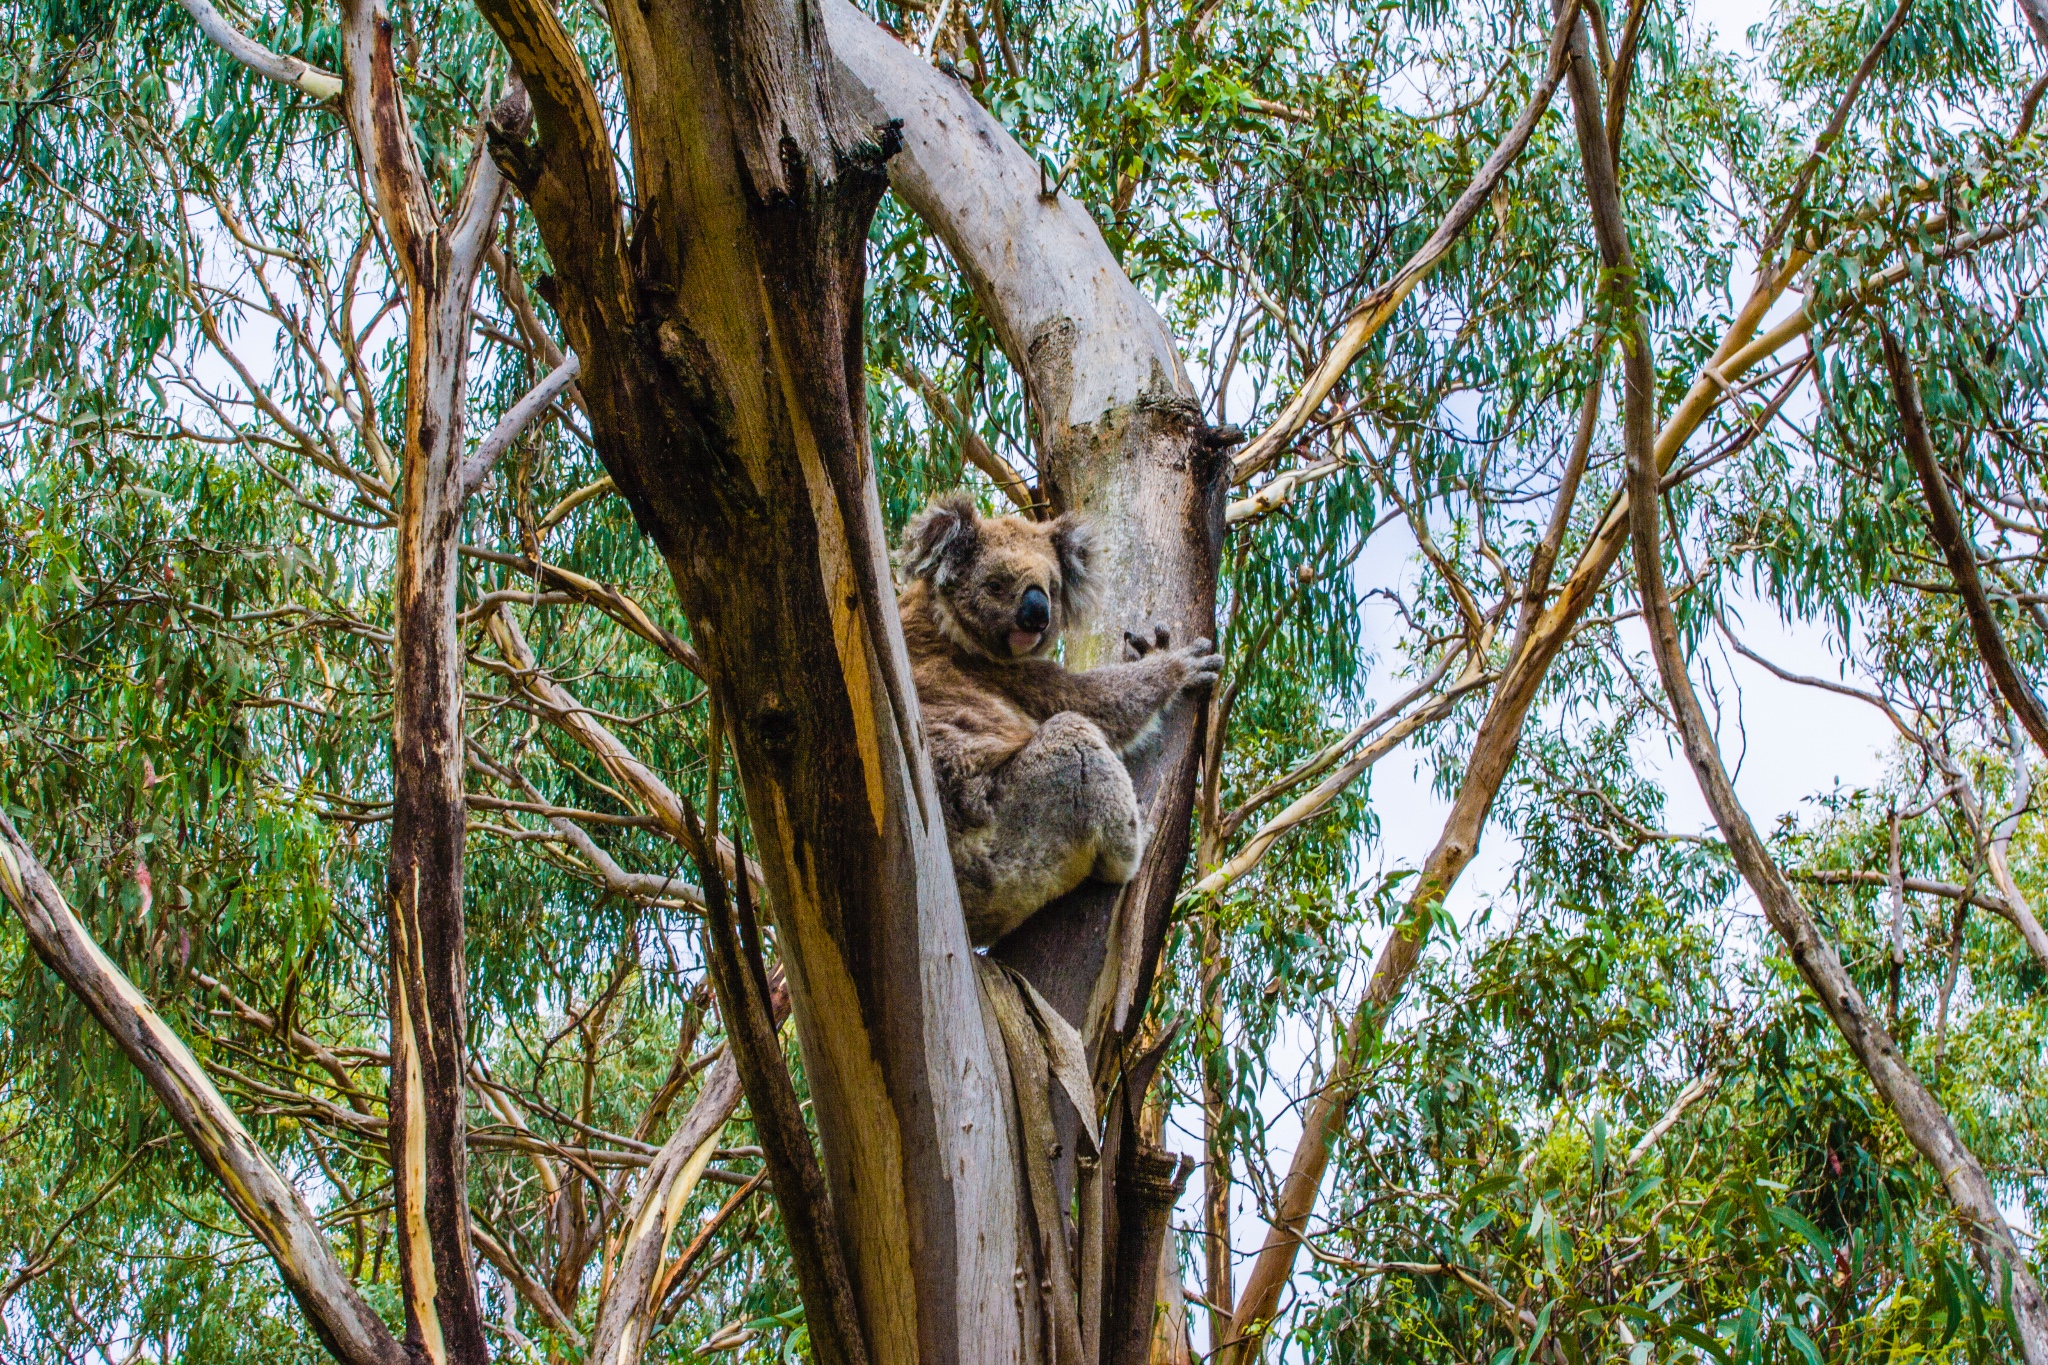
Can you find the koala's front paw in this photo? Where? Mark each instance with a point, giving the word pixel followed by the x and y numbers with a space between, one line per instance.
pixel 1202 664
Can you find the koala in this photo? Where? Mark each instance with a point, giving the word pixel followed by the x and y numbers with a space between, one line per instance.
pixel 1029 756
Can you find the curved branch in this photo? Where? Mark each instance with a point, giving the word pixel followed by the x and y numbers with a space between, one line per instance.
pixel 567 176
pixel 261 1197
pixel 301 76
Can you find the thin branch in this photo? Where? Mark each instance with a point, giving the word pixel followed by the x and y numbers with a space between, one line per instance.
pixel 521 415
pixel 1949 533
pixel 1701 1086
pixel 1372 315
pixel 523 1282
pixel 269 1205
pixel 1310 804
pixel 1000 471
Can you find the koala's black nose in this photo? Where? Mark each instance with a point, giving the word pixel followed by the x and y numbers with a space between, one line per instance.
pixel 1035 611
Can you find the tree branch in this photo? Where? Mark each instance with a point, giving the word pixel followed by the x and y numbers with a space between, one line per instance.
pixel 567 176
pixel 262 1198
pixel 521 415
pixel 633 1301
pixel 1949 533
pixel 1925 1123
pixel 1015 486
pixel 309 80
pixel 1308 805
pixel 1371 315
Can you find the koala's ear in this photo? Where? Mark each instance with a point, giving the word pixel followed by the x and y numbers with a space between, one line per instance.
pixel 941 538
pixel 1073 539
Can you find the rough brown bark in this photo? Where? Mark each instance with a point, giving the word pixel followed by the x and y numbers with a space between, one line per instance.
pixel 732 421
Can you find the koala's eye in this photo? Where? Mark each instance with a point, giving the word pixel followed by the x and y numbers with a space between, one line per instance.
pixel 1001 583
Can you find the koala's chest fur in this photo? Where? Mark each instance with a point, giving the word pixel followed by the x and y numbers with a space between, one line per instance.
pixel 963 698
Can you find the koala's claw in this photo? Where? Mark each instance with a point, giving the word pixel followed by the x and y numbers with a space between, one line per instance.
pixel 1204 665
pixel 1137 646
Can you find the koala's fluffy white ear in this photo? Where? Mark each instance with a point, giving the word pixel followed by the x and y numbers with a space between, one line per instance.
pixel 941 537
pixel 1073 539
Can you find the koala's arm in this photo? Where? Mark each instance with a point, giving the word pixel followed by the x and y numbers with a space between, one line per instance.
pixel 1122 699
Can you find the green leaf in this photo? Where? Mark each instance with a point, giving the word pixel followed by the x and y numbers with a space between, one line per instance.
pixel 1803 1344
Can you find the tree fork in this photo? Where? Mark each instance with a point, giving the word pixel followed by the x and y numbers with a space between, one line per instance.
pixel 732 419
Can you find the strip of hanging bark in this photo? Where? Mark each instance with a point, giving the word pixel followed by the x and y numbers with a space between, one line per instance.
pixel 268 1205
pixel 1920 1115
pixel 1370 316
pixel 1036 1065
pixel 808 1218
pixel 1954 539
pixel 633 1297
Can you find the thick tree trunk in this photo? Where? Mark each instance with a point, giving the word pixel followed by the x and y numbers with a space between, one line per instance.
pixel 732 421
pixel 1121 437
pixel 722 374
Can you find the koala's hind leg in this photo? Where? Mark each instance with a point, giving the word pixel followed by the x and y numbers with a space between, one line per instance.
pixel 1063 812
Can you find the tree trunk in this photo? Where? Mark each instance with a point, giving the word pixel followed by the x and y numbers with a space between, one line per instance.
pixel 731 416
pixel 426 970
pixel 733 422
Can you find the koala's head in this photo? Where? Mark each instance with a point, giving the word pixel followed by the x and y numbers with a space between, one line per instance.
pixel 1002 587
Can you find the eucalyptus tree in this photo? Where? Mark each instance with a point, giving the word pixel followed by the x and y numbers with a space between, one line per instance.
pixel 260 545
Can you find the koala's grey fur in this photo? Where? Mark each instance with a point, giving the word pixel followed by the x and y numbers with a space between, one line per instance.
pixel 1028 756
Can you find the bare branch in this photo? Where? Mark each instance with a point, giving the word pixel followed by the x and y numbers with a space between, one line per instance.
pixel 523 1282
pixel 1014 485
pixel 310 80
pixel 631 1303
pixel 266 1202
pixel 1954 540
pixel 1371 315
pixel 521 415
pixel 1701 1086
